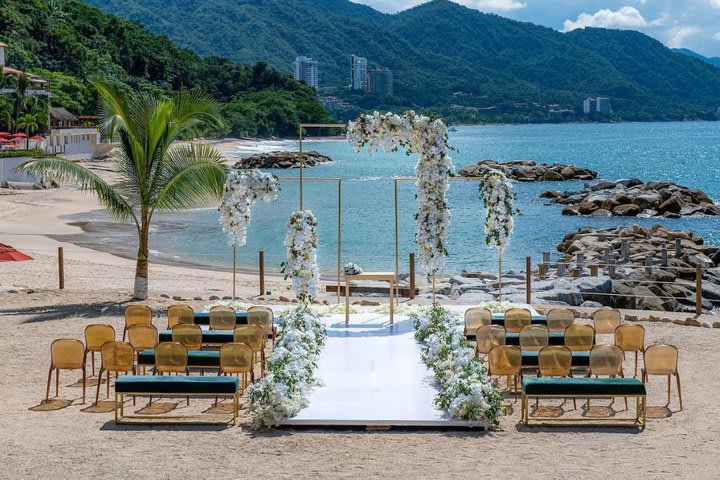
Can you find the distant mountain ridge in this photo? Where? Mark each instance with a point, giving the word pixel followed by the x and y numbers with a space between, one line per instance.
pixel 445 56
pixel 686 51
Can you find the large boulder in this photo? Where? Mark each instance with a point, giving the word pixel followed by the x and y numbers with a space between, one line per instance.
pixel 628 210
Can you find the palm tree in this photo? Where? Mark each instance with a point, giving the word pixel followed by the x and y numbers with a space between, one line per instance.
pixel 21 100
pixel 153 174
pixel 28 123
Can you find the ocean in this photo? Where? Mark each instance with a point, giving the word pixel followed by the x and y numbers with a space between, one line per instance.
pixel 687 153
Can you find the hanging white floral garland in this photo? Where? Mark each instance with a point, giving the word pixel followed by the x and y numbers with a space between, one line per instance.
pixel 428 139
pixel 498 195
pixel 301 265
pixel 242 189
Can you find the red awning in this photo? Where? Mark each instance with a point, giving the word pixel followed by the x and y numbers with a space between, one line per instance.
pixel 37 138
pixel 9 254
pixel 5 140
pixel 19 134
pixel 4 134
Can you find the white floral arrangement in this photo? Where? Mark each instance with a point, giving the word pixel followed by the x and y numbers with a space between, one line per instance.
pixel 301 265
pixel 427 138
pixel 236 305
pixel 290 370
pixel 352 269
pixel 466 391
pixel 498 195
pixel 242 189
pixel 497 306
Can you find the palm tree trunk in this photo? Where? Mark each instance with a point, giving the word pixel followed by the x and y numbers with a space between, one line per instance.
pixel 141 270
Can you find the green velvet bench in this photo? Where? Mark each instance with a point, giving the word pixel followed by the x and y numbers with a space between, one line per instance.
pixel 174 386
pixel 554 338
pixel 201 359
pixel 209 337
pixel 579 358
pixel 585 388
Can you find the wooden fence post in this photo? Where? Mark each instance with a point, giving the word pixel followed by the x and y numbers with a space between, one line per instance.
pixel 698 289
pixel 528 280
pixel 261 261
pixel 61 267
pixel 412 275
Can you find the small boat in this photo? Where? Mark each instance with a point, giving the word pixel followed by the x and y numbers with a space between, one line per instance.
pixel 452 129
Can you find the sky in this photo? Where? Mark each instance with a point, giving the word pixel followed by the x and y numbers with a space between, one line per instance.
pixel 693 24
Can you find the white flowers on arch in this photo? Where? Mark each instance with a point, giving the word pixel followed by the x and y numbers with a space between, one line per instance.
pixel 242 189
pixel 498 195
pixel 301 265
pixel 428 139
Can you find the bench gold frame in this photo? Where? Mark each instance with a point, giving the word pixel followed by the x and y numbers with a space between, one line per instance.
pixel 122 419
pixel 639 420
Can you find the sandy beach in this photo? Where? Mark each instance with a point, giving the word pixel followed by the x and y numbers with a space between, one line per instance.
pixel 71 442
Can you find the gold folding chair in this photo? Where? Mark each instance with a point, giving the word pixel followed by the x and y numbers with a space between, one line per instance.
pixel 265 319
pixel 189 335
pixel 136 315
pixel 118 357
pixel 255 337
pixel 236 359
pixel 222 318
pixel 476 317
pixel 631 338
pixel 66 354
pixel 662 360
pixel 558 319
pixel 171 357
pixel 606 320
pixel 506 360
pixel 142 337
pixel 534 337
pixel 487 337
pixel 95 337
pixel 579 337
pixel 516 319
pixel 555 361
pixel 178 314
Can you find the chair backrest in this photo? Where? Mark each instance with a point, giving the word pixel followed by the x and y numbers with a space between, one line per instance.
pixel 189 335
pixel 489 336
pixel 476 317
pixel 96 335
pixel 252 335
pixel 516 319
pixel 630 337
pixel 558 319
pixel 534 337
pixel 262 316
pixel 138 315
pixel 67 353
pixel 142 337
pixel 661 359
pixel 178 314
pixel 554 361
pixel 579 337
pixel 117 356
pixel 236 358
pixel 222 318
pixel 606 360
pixel 505 360
pixel 171 357
pixel 606 320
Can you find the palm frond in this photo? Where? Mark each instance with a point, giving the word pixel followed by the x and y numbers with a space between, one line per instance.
pixel 68 171
pixel 193 108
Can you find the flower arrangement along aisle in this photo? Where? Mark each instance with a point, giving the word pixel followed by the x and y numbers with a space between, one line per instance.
pixel 428 139
pixel 466 391
pixel 301 265
pixel 498 195
pixel 290 370
pixel 242 189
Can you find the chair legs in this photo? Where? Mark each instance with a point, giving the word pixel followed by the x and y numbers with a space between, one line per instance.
pixel 99 381
pixel 47 392
pixel 677 378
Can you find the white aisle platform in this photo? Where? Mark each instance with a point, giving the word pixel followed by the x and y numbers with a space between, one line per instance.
pixel 372 376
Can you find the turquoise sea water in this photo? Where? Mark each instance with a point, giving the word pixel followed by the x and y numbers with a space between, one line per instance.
pixel 687 153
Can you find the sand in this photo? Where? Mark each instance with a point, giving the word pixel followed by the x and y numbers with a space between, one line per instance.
pixel 71 443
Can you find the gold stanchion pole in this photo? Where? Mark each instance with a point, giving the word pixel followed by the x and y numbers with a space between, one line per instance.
pixel 397 244
pixel 500 277
pixel 339 236
pixel 234 269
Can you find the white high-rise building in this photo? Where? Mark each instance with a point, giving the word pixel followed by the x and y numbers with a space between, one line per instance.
pixel 596 104
pixel 358 73
pixel 306 70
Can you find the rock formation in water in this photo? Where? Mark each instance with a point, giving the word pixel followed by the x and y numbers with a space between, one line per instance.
pixel 529 171
pixel 281 159
pixel 633 198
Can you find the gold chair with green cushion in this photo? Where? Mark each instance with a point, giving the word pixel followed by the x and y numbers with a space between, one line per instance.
pixel 264 317
pixel 255 337
pixel 476 317
pixel 506 361
pixel 579 337
pixel 66 354
pixel 95 337
pixel 516 319
pixel 606 360
pixel 631 338
pixel 178 314
pixel 236 359
pixel 189 335
pixel 118 357
pixel 222 318
pixel 534 337
pixel 558 319
pixel 606 320
pixel 555 361
pixel 136 315
pixel 662 360
pixel 487 337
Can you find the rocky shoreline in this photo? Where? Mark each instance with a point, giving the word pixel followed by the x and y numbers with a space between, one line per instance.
pixel 282 159
pixel 633 198
pixel 529 171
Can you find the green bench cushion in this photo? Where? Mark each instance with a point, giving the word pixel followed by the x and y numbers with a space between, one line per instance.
pixel 583 386
pixel 579 359
pixel 208 336
pixel 196 358
pixel 554 338
pixel 152 384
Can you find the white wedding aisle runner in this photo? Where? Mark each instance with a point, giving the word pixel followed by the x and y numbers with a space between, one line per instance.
pixel 372 375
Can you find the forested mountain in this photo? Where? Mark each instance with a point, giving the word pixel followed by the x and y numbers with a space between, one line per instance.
pixel 67 41
pixel 711 60
pixel 446 57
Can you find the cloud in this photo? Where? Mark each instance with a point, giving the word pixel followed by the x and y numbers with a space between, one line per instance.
pixel 716 36
pixel 623 17
pixel 679 34
pixel 715 3
pixel 495 5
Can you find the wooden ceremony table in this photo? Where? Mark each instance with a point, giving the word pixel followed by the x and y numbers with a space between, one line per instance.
pixel 377 276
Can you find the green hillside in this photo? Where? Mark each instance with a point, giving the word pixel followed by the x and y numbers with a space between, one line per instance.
pixel 446 57
pixel 67 41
